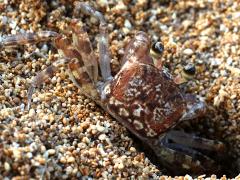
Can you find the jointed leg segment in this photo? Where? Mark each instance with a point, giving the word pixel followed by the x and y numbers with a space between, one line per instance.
pixel 83 45
pixel 42 77
pixel 173 159
pixel 186 150
pixel 104 57
pixel 31 38
pixel 184 139
pixel 27 38
pixel 79 54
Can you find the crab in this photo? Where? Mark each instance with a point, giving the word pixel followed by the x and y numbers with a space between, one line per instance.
pixel 143 96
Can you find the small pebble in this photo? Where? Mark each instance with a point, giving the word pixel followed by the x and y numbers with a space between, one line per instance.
pixel 7 166
pixel 100 128
pixel 32 113
pixel 188 52
pixel 102 137
pixel 51 151
pixel 70 159
pixel 127 24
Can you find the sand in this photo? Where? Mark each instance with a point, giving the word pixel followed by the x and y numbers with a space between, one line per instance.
pixel 67 136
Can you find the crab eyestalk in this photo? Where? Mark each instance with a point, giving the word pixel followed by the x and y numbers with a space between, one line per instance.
pixel 189 71
pixel 156 52
pixel 186 73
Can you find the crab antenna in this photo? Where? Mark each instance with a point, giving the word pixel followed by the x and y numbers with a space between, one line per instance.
pixel 104 57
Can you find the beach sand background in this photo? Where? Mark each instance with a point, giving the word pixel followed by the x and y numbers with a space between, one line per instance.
pixel 65 135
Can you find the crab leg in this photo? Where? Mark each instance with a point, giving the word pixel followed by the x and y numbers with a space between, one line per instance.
pixel 42 77
pixel 175 157
pixel 83 45
pixel 188 151
pixel 31 38
pixel 82 72
pixel 104 57
pixel 195 142
pixel 80 78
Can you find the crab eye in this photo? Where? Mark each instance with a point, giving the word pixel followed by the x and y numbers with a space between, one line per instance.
pixel 189 71
pixel 157 48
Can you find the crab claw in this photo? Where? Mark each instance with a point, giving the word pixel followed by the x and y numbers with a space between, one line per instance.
pixel 195 108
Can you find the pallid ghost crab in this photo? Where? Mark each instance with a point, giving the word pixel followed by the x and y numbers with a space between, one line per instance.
pixel 142 96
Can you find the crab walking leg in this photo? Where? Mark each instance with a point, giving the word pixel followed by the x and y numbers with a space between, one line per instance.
pixel 185 160
pixel 27 38
pixel 103 44
pixel 42 77
pixel 104 57
pixel 184 139
pixel 83 45
pixel 79 76
pixel 79 69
